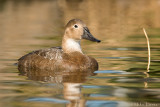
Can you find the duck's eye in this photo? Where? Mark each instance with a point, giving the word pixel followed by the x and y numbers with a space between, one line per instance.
pixel 75 26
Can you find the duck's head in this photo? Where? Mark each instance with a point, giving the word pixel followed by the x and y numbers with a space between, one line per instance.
pixel 75 31
pixel 78 30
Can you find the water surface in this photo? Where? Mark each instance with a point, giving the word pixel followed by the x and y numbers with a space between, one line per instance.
pixel 122 79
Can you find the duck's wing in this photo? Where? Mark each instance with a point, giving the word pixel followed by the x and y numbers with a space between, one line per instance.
pixel 50 53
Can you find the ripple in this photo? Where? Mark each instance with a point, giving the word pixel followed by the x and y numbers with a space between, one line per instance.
pixel 54 100
pixel 97 103
pixel 112 72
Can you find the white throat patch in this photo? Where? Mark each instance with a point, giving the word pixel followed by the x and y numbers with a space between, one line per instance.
pixel 73 45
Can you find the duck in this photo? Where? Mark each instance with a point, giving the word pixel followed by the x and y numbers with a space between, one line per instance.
pixel 68 57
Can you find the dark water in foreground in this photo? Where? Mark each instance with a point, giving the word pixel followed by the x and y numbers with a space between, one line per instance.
pixel 121 81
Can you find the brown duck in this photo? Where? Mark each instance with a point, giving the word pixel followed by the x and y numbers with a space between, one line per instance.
pixel 69 58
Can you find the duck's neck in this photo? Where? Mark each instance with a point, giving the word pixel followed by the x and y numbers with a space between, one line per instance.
pixel 70 45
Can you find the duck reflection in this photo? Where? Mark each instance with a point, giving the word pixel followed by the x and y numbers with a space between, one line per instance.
pixel 71 80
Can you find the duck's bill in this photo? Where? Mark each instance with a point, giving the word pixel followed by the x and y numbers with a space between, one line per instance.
pixel 87 35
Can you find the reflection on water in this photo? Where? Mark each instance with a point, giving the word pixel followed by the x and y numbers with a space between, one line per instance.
pixel 70 81
pixel 27 25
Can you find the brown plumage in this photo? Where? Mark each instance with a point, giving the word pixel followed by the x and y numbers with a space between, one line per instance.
pixel 68 58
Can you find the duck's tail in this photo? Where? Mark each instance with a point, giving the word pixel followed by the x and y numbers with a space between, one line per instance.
pixel 15 64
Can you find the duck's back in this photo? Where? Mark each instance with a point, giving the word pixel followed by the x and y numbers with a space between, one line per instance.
pixel 55 59
pixel 41 58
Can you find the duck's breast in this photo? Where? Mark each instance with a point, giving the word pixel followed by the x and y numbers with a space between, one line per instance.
pixel 77 60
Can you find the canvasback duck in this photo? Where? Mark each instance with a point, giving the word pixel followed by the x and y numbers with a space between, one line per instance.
pixel 69 57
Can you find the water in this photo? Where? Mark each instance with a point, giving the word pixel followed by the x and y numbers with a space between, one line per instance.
pixel 122 79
